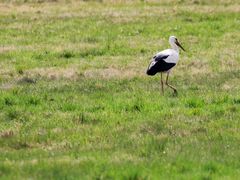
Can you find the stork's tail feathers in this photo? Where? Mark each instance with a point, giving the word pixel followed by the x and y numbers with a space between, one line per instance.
pixel 151 72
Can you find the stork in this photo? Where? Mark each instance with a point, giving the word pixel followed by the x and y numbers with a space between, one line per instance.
pixel 164 61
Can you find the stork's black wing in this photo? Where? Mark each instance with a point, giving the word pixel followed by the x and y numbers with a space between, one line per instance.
pixel 159 65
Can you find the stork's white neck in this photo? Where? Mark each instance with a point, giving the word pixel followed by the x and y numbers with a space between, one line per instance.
pixel 174 46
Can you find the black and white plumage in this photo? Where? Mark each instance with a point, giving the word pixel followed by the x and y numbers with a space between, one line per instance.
pixel 158 64
pixel 165 60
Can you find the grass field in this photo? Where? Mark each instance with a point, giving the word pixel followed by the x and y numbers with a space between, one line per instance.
pixel 75 100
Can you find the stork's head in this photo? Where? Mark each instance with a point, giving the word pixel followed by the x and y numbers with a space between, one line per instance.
pixel 174 43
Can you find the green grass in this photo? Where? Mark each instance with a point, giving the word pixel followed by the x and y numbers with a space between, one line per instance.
pixel 75 101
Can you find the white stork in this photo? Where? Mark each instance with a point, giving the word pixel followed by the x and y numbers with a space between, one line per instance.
pixel 165 60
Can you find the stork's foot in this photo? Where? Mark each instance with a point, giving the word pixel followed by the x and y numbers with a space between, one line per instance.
pixel 162 92
pixel 175 93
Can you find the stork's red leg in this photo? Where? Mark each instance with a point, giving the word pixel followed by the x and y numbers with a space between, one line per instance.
pixel 162 84
pixel 173 88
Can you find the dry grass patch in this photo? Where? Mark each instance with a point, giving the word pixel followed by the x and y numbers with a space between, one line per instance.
pixel 196 67
pixel 7 86
pixel 71 47
pixel 110 73
pixel 7 48
pixel 231 84
pixel 9 8
pixel 7 134
pixel 52 73
pixel 211 9
pixel 5 8
pixel 125 157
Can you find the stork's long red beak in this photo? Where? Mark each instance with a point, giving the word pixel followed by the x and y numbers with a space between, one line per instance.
pixel 179 45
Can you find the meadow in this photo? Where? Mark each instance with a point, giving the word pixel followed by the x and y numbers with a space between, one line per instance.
pixel 75 100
